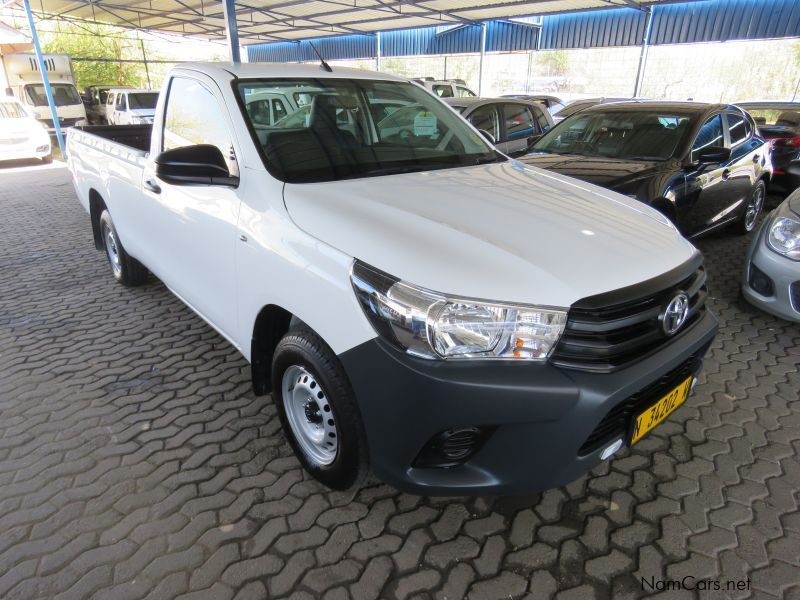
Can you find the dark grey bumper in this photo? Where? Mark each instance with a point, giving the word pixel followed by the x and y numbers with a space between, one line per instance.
pixel 540 415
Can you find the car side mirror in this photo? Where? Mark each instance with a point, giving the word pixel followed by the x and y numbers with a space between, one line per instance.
pixel 201 164
pixel 489 137
pixel 532 141
pixel 712 155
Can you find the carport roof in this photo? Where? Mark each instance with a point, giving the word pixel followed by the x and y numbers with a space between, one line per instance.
pixel 276 20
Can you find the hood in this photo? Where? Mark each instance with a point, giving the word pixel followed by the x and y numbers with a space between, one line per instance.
pixel 143 112
pixel 16 128
pixel 501 231
pixel 612 173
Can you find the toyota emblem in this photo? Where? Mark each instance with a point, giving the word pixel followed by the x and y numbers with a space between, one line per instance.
pixel 675 314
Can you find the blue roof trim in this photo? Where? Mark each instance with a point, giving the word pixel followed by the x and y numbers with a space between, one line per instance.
pixel 679 23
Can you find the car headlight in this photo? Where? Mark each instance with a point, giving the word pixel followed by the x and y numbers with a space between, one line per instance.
pixel 432 325
pixel 784 237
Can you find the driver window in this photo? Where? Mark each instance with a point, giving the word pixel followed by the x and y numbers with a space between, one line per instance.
pixel 486 118
pixel 710 135
pixel 443 91
pixel 193 116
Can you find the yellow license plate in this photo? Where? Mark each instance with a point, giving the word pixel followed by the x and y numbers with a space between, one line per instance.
pixel 660 410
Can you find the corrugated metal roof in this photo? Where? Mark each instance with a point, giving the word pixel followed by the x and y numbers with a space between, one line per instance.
pixel 276 20
pixel 686 22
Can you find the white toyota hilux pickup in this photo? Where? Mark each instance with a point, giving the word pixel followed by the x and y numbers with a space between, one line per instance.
pixel 417 303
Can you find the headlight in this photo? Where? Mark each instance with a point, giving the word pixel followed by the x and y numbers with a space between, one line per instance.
pixel 784 237
pixel 432 325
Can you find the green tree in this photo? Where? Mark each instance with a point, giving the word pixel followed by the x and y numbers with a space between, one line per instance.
pixel 99 41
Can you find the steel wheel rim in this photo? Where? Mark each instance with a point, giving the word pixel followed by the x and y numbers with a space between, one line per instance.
pixel 753 208
pixel 112 250
pixel 310 415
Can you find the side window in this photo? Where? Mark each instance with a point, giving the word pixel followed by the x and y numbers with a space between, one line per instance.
pixel 710 135
pixel 193 116
pixel 278 109
pixel 519 121
pixel 463 92
pixel 121 102
pixel 738 127
pixel 485 117
pixel 443 91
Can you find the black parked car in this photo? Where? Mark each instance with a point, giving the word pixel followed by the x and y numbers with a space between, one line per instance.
pixel 779 124
pixel 577 106
pixel 703 165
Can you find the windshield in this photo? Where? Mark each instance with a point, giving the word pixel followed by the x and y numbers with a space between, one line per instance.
pixel 572 108
pixel 345 129
pixel 64 94
pixel 617 134
pixel 12 110
pixel 142 100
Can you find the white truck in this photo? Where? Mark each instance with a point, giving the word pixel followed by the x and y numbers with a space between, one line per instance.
pixel 24 80
pixel 415 302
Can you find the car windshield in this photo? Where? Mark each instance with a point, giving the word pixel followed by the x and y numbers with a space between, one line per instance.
pixel 142 100
pixel 618 134
pixel 572 108
pixel 12 110
pixel 342 130
pixel 64 94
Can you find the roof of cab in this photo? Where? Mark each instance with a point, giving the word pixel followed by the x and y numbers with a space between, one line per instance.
pixel 227 70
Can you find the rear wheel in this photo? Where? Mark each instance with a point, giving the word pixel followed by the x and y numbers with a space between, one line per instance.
pixel 318 410
pixel 753 208
pixel 126 269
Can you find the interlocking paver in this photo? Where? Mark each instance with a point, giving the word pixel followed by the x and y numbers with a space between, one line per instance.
pixel 135 461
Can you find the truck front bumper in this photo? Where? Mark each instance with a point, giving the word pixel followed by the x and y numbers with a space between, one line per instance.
pixel 534 426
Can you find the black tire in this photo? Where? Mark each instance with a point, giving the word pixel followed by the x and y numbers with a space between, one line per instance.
pixel 753 208
pixel 305 349
pixel 126 269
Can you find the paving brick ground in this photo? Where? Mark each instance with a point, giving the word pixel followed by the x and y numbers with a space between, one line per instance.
pixel 135 462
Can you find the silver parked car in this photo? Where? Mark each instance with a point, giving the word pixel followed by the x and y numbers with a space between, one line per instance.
pixel 772 269
pixel 512 125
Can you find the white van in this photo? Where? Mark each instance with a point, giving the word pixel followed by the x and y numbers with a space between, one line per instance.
pixel 130 107
pixel 25 82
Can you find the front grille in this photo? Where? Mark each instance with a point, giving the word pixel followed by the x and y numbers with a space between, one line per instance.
pixel 607 332
pixel 794 292
pixel 62 122
pixel 618 419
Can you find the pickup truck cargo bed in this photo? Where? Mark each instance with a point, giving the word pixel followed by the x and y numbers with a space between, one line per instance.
pixel 133 136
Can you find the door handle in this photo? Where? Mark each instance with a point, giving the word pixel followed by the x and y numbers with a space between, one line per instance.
pixel 151 185
pixel 725 174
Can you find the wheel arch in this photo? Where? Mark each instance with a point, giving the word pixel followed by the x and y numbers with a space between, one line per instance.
pixel 96 207
pixel 271 324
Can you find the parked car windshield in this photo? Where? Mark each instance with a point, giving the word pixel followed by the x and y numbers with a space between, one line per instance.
pixel 12 110
pixel 634 134
pixel 342 130
pixel 64 94
pixel 142 100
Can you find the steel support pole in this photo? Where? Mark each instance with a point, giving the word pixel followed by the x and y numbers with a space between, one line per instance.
pixel 483 54
pixel 232 31
pixel 378 51
pixel 146 68
pixel 45 80
pixel 637 88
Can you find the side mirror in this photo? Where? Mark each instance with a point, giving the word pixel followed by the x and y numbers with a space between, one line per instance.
pixel 712 155
pixel 489 137
pixel 532 141
pixel 201 164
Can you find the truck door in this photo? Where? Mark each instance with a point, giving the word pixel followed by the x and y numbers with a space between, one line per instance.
pixel 194 227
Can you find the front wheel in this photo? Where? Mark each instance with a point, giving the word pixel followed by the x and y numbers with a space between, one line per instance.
pixel 126 269
pixel 318 410
pixel 755 204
